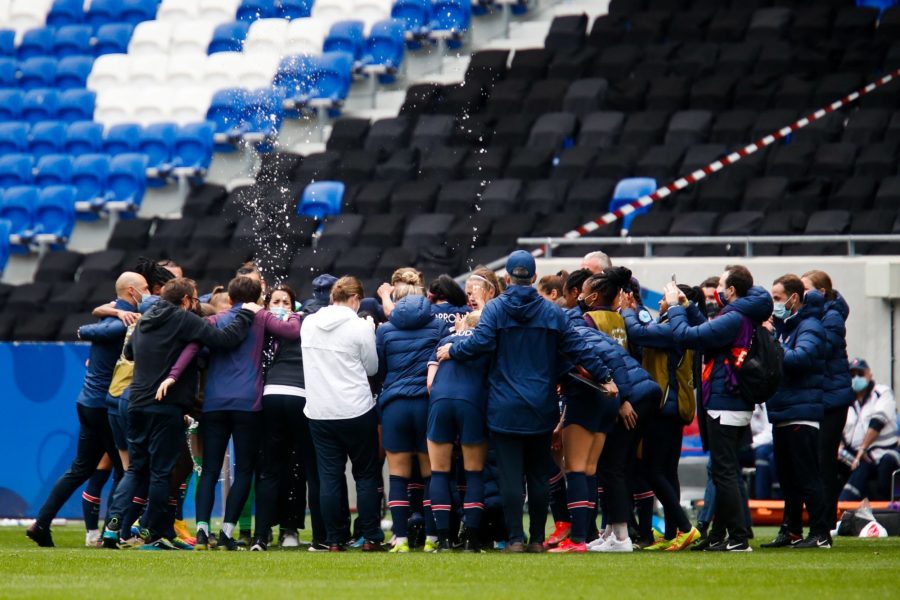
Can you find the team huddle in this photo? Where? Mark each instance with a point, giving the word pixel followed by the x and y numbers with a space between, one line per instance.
pixel 561 394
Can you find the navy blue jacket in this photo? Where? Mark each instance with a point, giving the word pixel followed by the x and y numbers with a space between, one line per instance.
pixel 836 389
pixel 404 346
pixel 716 338
pixel 799 397
pixel 449 313
pixel 466 381
pixel 526 335
pixel 106 337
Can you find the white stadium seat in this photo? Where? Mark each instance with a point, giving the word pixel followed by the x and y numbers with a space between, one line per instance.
pixel 26 14
pixel 186 69
pixel 114 106
pixel 109 71
pixel 258 70
pixel 189 104
pixel 372 11
pixel 266 35
pixel 222 70
pixel 331 10
pixel 218 11
pixel 150 37
pixel 191 38
pixel 152 105
pixel 149 70
pixel 306 36
pixel 178 11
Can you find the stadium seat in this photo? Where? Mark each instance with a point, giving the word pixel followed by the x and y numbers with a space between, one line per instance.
pixel 25 14
pixel 450 18
pixel 185 71
pixel 65 12
pixel 112 39
pixel 89 176
pixel 4 239
pixel 253 10
pixel 137 11
pixel 54 215
pixel 585 96
pixel 7 43
pixel 83 137
pixel 16 169
pixel 267 35
pixel 47 137
pixel 193 148
pixel 295 9
pixel 122 138
pixel 330 77
pixel 414 197
pixel 10 105
pixel 72 72
pixel 36 42
pixel 385 48
pixel 629 190
pixel 876 161
pixel 13 137
pixel 151 37
pixel 179 11
pixel 53 169
pixel 554 131
pixel 222 70
pixel 414 14
pixel 306 36
pixel 8 73
pixel 322 199
pixel 102 12
pixel 346 36
pixel 37 72
pixel 40 105
pixel 262 118
pixel 566 32
pixel 329 11
pixel 73 40
pixel 76 105
pixel 110 70
pixel 424 231
pixel 226 111
pixel 126 182
pixel 156 143
pixel 228 37
pixel 689 127
pixel 17 206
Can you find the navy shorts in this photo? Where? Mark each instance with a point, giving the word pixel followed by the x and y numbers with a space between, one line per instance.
pixel 118 422
pixel 403 424
pixel 449 420
pixel 596 414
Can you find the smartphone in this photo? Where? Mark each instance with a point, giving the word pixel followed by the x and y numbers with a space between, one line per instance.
pixel 673 278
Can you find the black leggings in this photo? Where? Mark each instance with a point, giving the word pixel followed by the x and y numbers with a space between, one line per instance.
pixel 288 468
pixel 662 450
pixel 216 428
pixel 618 458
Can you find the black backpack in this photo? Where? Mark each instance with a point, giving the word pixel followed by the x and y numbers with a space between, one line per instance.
pixel 759 374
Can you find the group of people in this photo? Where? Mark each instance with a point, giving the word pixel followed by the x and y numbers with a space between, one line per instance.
pixel 563 394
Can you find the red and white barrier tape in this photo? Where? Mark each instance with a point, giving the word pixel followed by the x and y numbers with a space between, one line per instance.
pixel 718 165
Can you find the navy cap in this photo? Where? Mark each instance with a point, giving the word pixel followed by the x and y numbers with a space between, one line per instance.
pixel 322 286
pixel 858 364
pixel 520 264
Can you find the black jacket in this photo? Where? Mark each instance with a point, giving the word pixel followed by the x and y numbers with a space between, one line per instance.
pixel 157 342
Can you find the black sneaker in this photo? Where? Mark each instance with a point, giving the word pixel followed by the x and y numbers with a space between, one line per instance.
pixel 228 544
pixel 259 545
pixel 471 541
pixel 703 528
pixel 731 546
pixel 318 547
pixel 444 545
pixel 815 541
pixel 202 542
pixel 416 531
pixel 245 538
pixel 213 541
pixel 40 536
pixel 707 544
pixel 783 540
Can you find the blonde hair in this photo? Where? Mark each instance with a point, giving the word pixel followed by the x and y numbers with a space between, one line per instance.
pixel 472 319
pixel 483 273
pixel 821 281
pixel 407 281
pixel 345 288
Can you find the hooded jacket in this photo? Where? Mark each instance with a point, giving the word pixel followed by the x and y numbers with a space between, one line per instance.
pixel 528 336
pixel 799 397
pixel 405 343
pixel 106 337
pixel 836 389
pixel 716 338
pixel 161 334
pixel 338 357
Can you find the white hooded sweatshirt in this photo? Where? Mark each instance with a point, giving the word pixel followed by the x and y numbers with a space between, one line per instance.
pixel 338 355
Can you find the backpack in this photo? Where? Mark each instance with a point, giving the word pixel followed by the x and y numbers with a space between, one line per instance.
pixel 758 367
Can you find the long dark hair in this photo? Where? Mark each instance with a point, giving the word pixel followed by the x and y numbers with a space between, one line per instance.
pixel 608 283
pixel 445 289
pixel 281 287
pixel 155 274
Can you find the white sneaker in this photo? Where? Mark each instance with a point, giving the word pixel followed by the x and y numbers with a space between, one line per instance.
pixel 92 538
pixel 290 540
pixel 604 535
pixel 615 545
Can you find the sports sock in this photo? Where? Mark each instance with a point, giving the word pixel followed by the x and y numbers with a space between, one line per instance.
pixel 579 506
pixel 473 501
pixel 439 495
pixel 592 532
pixel 620 530
pixel 415 492
pixel 228 529
pixel 601 506
pixel 90 499
pixel 203 526
pixel 558 499
pixel 398 502
pixel 430 528
pixel 643 507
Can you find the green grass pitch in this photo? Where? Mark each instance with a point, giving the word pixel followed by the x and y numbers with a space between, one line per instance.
pixel 865 569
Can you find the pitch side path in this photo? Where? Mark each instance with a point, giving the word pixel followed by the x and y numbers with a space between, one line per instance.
pixel 864 569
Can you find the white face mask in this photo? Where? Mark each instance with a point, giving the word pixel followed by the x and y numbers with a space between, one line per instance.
pixel 859 383
pixel 280 313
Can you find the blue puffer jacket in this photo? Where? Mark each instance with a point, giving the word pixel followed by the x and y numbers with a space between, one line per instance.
pixel 836 389
pixel 106 337
pixel 404 345
pixel 716 338
pixel 527 336
pixel 799 398
pixel 449 313
pixel 602 345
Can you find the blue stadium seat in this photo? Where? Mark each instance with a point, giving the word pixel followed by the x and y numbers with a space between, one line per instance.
pixel 415 15
pixel 47 137
pixel 330 76
pixel 226 111
pixel 385 47
pixel 40 105
pixel 37 72
pixel 17 208
pixel 36 42
pixel 193 150
pixel 8 77
pixel 157 141
pixel 72 72
pixel 251 10
pixel 881 5
pixel 102 12
pixel 7 42
pixel 229 37
pixel 16 169
pixel 137 11
pixel 13 137
pixel 126 183
pixel 295 9
pixel 73 40
pixel 53 169
pixel 4 239
pixel 65 12
pixel 627 191
pixel 321 199
pixel 113 39
pixel 451 17
pixel 122 138
pixel 262 117
pixel 84 137
pixel 54 215
pixel 76 105
pixel 11 104
pixel 292 77
pixel 89 176
pixel 346 36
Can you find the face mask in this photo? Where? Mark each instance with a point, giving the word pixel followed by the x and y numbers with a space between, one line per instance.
pixel 145 296
pixel 780 311
pixel 583 305
pixel 712 308
pixel 280 313
pixel 859 383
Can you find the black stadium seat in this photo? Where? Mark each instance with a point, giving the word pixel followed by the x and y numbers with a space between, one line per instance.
pixel 876 161
pixel 529 64
pixel 382 230
pixel 487 66
pixel 100 266
pixel 58 266
pixel 389 134
pixel 545 196
pixel 585 96
pixel 373 198
pixel 427 230
pixel 401 165
pixel 574 163
pixel 442 164
pixel 507 97
pixel 854 194
pixel 341 231
pixel 501 197
pixel 458 197
pixel 414 197
pixel 348 133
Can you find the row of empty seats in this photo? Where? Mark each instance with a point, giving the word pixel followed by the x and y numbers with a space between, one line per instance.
pixel 22 15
